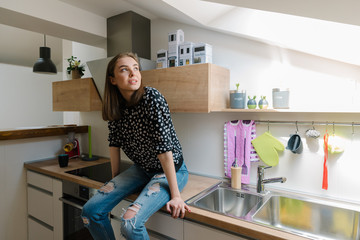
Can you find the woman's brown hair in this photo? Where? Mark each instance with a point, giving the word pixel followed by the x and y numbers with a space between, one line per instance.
pixel 113 102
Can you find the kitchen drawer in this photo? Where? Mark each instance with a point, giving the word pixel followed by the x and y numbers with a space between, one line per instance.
pixel 116 222
pixel 195 231
pixel 118 209
pixel 166 225
pixel 38 231
pixel 40 205
pixel 40 181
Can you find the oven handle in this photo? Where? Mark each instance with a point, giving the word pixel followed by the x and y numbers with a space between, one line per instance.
pixel 71 203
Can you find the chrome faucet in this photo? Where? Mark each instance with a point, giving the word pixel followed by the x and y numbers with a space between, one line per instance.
pixel 260 188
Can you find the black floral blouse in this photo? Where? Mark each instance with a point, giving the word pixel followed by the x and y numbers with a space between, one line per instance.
pixel 146 130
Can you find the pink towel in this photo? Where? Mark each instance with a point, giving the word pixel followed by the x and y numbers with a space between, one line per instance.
pixel 245 152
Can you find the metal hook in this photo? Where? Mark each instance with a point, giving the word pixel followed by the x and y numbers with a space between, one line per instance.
pixel 312 123
pixel 352 126
pixel 268 126
pixel 297 129
pixel 333 128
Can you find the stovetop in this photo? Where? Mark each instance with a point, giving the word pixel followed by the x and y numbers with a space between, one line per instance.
pixel 100 172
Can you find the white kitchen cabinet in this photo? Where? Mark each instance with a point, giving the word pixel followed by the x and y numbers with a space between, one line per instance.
pixel 160 225
pixel 38 230
pixel 45 215
pixel 116 218
pixel 167 226
pixel 195 231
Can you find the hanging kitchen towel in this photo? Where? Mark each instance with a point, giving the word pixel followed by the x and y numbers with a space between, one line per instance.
pixel 267 148
pixel 325 171
pixel 244 131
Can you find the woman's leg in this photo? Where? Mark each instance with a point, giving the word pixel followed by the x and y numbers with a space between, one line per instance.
pixel 95 212
pixel 153 197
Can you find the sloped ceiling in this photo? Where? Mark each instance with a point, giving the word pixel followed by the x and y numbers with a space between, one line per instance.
pixel 326 28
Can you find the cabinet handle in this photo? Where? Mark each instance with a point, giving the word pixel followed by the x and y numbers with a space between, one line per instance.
pixel 71 203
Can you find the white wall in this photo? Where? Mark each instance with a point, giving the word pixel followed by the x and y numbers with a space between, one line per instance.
pixel 26 97
pixel 316 84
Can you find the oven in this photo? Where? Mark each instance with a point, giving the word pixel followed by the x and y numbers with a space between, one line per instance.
pixel 75 196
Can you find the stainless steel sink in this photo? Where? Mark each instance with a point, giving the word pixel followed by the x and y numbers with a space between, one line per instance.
pixel 311 218
pixel 225 200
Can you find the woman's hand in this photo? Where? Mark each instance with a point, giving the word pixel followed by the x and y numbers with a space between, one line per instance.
pixel 177 207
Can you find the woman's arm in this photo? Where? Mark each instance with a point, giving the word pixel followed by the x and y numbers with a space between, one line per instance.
pixel 115 161
pixel 176 206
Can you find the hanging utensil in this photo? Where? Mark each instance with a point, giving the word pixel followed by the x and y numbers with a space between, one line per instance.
pixel 244 169
pixel 235 164
pixel 312 133
pixel 294 143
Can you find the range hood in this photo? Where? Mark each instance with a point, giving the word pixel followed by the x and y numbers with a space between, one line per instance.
pixel 126 32
pixel 98 71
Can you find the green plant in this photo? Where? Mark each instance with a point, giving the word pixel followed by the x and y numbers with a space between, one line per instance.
pixel 237 86
pixel 75 65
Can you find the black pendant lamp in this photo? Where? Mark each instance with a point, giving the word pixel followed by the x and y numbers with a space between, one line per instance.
pixel 44 63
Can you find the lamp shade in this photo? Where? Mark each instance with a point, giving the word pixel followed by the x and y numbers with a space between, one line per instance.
pixel 44 63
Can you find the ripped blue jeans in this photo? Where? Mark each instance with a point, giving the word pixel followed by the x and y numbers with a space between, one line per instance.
pixel 155 193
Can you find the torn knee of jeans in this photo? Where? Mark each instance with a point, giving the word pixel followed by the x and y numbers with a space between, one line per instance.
pixel 108 187
pixel 85 220
pixel 161 175
pixel 131 211
pixel 155 188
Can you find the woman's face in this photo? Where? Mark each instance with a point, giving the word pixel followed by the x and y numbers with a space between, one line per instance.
pixel 127 76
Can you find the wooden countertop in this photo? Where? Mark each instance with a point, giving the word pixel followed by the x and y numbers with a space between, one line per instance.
pixel 195 185
pixel 45 131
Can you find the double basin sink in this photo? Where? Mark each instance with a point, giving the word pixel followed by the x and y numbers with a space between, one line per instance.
pixel 305 216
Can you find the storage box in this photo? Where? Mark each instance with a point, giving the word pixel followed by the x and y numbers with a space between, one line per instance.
pixel 202 53
pixel 162 59
pixel 186 53
pixel 280 97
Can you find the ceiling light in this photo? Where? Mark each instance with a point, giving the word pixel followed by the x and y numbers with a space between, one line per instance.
pixel 44 63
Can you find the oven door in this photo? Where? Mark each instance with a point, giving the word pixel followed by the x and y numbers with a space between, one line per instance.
pixel 73 225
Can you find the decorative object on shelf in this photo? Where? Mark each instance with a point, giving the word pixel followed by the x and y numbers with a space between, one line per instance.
pixel 280 97
pixel 237 98
pixel 251 102
pixel 263 103
pixel 75 68
pixel 44 63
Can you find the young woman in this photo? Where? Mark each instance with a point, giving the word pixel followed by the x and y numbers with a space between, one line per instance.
pixel 140 124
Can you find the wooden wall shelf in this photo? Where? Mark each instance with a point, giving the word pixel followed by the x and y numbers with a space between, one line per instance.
pixel 192 88
pixel 34 132
pixel 76 95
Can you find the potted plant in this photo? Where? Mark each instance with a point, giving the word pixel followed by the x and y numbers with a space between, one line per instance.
pixel 237 97
pixel 75 67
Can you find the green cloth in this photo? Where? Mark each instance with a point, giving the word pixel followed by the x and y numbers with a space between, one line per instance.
pixel 267 148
